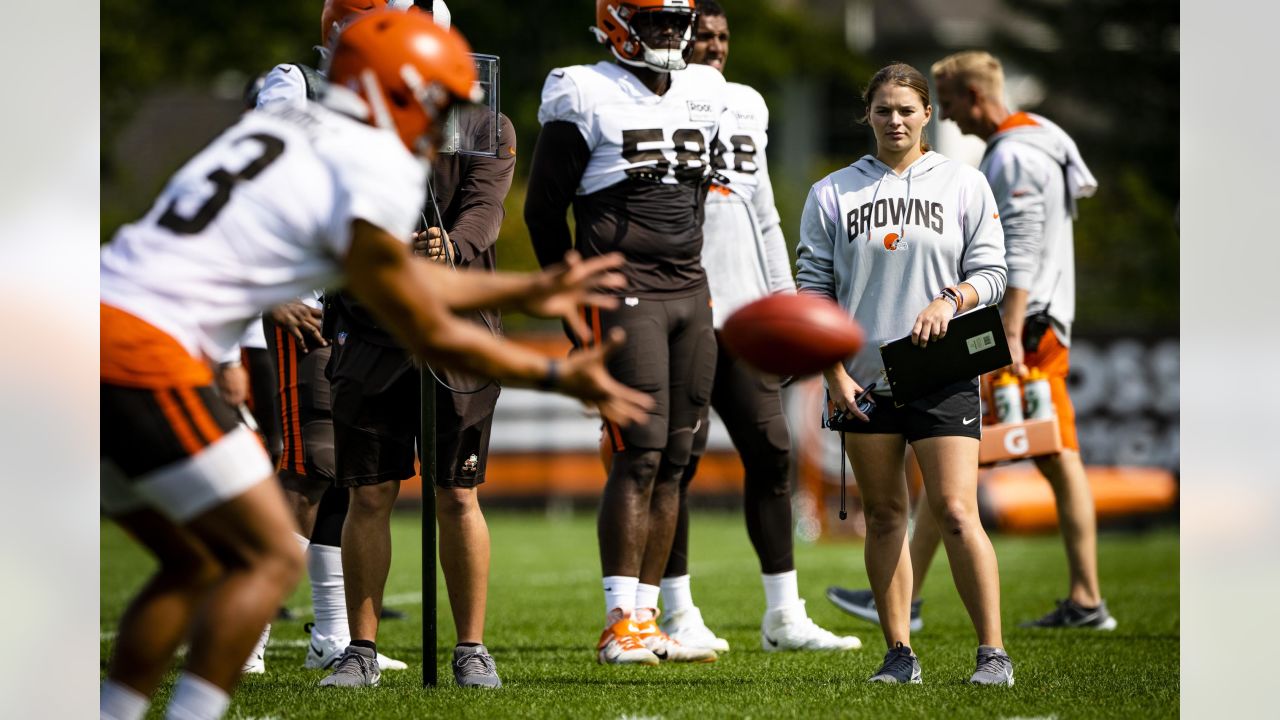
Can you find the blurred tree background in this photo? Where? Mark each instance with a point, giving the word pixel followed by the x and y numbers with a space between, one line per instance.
pixel 172 74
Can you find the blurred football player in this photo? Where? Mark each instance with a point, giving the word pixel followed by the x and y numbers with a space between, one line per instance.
pixel 627 143
pixel 745 256
pixel 281 202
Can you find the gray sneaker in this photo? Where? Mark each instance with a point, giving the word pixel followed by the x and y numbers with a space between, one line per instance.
pixel 900 667
pixel 474 667
pixel 1069 614
pixel 862 603
pixel 358 667
pixel 994 667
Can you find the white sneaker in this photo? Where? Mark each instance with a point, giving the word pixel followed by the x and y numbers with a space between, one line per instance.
pixel 325 651
pixel 667 648
pixel 620 645
pixel 790 628
pixel 257 662
pixel 686 627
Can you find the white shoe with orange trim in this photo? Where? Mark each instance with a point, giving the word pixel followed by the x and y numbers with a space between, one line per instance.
pixel 620 645
pixel 667 648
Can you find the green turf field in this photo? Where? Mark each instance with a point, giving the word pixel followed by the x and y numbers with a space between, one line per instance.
pixel 546 608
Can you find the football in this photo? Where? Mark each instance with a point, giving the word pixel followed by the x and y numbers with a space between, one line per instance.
pixel 793 335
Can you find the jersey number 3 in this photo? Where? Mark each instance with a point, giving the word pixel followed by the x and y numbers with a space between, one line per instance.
pixel 223 183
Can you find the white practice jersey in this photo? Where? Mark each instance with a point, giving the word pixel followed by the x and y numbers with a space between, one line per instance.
pixel 260 216
pixel 631 131
pixel 744 251
pixel 884 245
pixel 284 85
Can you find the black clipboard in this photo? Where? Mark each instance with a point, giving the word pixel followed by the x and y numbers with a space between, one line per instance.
pixel 974 344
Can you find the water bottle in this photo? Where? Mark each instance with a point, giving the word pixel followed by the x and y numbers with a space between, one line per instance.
pixel 1008 398
pixel 1038 395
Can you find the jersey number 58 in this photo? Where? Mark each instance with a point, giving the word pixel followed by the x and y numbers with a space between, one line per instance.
pixel 689 164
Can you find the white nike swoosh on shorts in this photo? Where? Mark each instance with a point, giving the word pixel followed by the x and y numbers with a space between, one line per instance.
pixel 968 421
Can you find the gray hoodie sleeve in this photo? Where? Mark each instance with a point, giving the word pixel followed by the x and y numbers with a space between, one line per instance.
pixel 983 263
pixel 815 253
pixel 1022 213
pixel 777 264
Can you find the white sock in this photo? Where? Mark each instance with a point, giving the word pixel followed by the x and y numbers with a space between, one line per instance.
pixel 195 698
pixel 620 594
pixel 261 646
pixel 646 601
pixel 121 702
pixel 303 542
pixel 328 598
pixel 676 595
pixel 780 590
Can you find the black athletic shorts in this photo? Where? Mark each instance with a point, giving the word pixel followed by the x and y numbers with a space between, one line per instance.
pixel 377 417
pixel 955 410
pixel 670 353
pixel 306 421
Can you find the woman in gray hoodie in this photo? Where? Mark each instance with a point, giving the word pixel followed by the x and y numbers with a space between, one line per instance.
pixel 905 240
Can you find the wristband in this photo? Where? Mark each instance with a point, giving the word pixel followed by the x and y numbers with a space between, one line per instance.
pixel 552 378
pixel 953 295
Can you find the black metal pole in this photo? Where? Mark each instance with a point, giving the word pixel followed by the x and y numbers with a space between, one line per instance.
pixel 427 459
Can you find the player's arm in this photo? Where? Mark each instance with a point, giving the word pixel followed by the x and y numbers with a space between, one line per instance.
pixel 982 267
pixel 777 262
pixel 815 253
pixel 559 160
pixel 1022 216
pixel 408 295
pixel 815 274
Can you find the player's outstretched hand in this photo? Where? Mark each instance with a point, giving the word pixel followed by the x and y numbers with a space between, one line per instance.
pixel 561 289
pixel 301 321
pixel 583 375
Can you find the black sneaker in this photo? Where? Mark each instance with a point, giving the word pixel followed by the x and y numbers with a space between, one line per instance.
pixel 1069 614
pixel 391 614
pixel 900 667
pixel 994 667
pixel 474 667
pixel 862 603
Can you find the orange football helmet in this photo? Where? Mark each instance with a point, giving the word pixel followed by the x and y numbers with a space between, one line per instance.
pixel 406 69
pixel 337 13
pixel 616 26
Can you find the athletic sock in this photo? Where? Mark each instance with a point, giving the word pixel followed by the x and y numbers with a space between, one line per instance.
pixel 195 698
pixel 328 598
pixel 676 594
pixel 646 602
pixel 303 542
pixel 780 590
pixel 121 702
pixel 367 644
pixel 619 595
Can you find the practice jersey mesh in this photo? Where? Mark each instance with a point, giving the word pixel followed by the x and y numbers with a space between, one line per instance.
pixel 260 216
